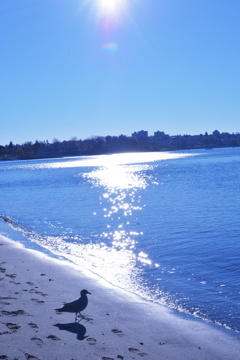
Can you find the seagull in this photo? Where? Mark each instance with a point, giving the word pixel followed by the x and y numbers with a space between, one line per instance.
pixel 76 306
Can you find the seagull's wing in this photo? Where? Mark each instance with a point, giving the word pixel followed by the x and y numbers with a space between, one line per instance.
pixel 71 307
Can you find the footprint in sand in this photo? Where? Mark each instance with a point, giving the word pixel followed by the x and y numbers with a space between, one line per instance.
pixel 2 270
pixel 38 301
pixel 4 303
pixel 8 298
pixel 30 283
pixel 52 337
pixel 133 350
pixel 34 326
pixel 12 276
pixel 91 341
pixel 107 358
pixel 14 313
pixel 4 357
pixel 33 291
pixel 41 293
pixel 31 357
pixel 37 341
pixel 116 331
pixel 13 327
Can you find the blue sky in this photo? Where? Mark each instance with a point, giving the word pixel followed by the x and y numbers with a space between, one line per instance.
pixel 70 69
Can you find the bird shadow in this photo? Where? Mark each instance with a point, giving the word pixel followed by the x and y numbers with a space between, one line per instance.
pixel 74 328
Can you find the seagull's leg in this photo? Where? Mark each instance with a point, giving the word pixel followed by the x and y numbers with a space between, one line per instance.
pixel 77 317
pixel 85 317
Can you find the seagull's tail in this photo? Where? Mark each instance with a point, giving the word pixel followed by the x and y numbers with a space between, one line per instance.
pixel 58 310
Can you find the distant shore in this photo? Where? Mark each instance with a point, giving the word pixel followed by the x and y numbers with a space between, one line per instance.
pixel 103 145
pixel 119 326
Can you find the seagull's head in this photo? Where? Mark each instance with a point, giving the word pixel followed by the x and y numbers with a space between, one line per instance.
pixel 85 292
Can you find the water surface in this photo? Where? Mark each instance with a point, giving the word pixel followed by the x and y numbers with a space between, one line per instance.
pixel 162 225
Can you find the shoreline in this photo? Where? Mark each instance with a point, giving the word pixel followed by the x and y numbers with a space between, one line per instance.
pixel 122 325
pixel 8 231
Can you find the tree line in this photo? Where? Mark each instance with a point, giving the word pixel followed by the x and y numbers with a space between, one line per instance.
pixel 116 144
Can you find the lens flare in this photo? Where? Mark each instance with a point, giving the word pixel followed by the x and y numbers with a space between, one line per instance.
pixel 111 47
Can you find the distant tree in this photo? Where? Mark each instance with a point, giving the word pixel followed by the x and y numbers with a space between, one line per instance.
pixel 216 133
pixel 2 150
pixel 19 152
pixel 115 144
pixel 56 146
pixel 37 147
pixel 27 148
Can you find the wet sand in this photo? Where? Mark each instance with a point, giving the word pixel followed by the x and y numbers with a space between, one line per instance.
pixel 118 325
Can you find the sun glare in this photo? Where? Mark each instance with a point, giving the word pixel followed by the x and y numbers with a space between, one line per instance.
pixel 111 7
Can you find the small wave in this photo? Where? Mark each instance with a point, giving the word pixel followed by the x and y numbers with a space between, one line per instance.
pixel 8 220
pixel 14 224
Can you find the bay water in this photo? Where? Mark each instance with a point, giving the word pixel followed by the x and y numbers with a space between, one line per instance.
pixel 162 225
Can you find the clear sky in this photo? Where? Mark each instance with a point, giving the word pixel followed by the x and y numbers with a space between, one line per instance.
pixel 80 68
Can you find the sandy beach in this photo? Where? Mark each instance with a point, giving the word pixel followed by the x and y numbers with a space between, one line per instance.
pixel 119 325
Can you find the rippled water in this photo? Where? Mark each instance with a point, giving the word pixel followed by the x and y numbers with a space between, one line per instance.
pixel 163 225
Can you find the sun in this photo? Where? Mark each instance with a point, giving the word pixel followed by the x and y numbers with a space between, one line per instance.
pixel 111 6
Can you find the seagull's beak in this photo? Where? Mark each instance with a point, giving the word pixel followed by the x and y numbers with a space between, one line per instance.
pixel 89 293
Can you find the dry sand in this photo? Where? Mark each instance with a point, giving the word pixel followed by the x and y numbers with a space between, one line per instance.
pixel 119 326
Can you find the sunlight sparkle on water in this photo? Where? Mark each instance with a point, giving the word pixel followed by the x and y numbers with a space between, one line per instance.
pixel 119 177
pixel 120 201
pixel 121 180
pixel 103 160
